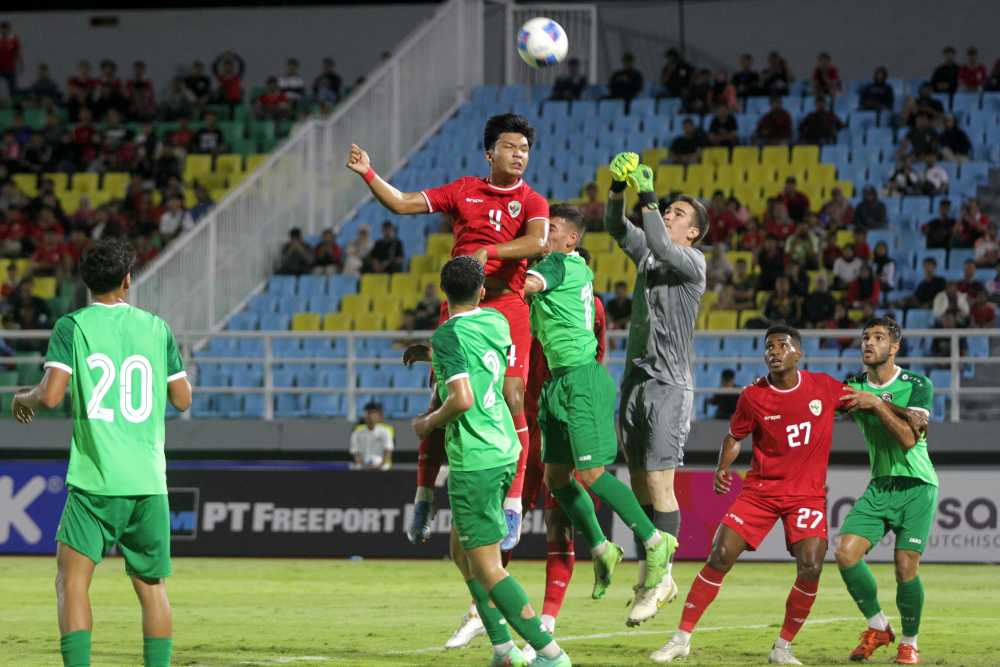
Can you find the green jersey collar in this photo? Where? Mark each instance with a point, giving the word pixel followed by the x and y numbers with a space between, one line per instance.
pixel 894 377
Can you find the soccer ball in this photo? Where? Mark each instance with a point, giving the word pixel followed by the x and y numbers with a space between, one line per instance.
pixel 542 42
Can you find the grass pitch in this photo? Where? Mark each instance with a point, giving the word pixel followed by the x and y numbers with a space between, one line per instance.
pixel 230 612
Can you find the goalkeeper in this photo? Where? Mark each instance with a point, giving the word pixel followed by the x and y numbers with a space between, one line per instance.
pixel 657 391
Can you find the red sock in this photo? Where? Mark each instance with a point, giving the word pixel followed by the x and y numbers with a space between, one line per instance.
pixel 704 589
pixel 534 469
pixel 558 572
pixel 521 426
pixel 505 557
pixel 800 601
pixel 430 456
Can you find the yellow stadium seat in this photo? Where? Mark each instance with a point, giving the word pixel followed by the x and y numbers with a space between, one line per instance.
pixel 115 183
pixel 611 264
pixel 602 283
pixel 654 156
pixel 60 180
pixel 369 322
pixel 597 242
pixel 46 287
pixel 420 264
pixel 699 176
pixel 774 155
pixel 393 320
pixel 845 237
pixel 196 166
pixel 709 299
pixel 384 304
pixel 70 201
pixel 402 284
pixel 719 320
pixel 603 178
pixel 701 322
pixel 846 187
pixel 715 155
pixel 747 315
pixel 813 277
pixel 218 194
pixel 746 156
pixel 27 183
pixel 821 174
pixel 190 199
pixel 211 180
pixel 805 155
pixel 306 322
pixel 374 284
pixel 856 314
pixel 229 163
pixel 760 300
pixel 337 322
pixel 735 255
pixel 355 304
pixel 428 278
pixel 439 244
pixel 85 182
pixel 816 194
pixel 254 161
pixel 763 176
pixel 669 177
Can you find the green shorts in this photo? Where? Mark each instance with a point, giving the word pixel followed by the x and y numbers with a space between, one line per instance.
pixel 139 525
pixel 905 505
pixel 476 498
pixel 576 415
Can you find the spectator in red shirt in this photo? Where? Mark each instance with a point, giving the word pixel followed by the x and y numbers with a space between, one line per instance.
pixel 273 103
pixel 109 76
pixel 982 313
pixel 825 78
pixel 86 137
pixel 141 96
pixel 181 137
pixel 329 258
pixel 775 127
pixel 752 238
pixel 795 201
pixel 9 285
pixel 972 75
pixel 47 256
pixel 109 94
pixel 228 69
pixel 777 222
pixel 971 225
pixel 11 58
pixel 83 79
pixel 861 248
pixel 838 212
pixel 969 285
pixel 723 223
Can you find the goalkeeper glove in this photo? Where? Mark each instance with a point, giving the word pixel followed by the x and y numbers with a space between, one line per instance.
pixel 621 166
pixel 641 179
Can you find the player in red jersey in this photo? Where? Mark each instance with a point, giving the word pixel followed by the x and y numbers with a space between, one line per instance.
pixel 503 222
pixel 790 414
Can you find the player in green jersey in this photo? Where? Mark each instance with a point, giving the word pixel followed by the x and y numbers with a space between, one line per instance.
pixel 576 409
pixel 902 494
pixel 121 365
pixel 469 354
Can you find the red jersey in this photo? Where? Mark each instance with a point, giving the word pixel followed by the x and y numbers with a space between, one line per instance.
pixel 10 49
pixel 792 434
pixel 484 214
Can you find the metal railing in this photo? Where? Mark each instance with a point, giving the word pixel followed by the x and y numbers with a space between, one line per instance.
pixel 351 361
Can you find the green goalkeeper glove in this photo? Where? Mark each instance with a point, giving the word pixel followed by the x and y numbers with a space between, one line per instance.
pixel 641 179
pixel 621 166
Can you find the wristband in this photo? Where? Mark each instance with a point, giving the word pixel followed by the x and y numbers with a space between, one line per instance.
pixel 369 175
pixel 618 186
pixel 648 199
pixel 491 252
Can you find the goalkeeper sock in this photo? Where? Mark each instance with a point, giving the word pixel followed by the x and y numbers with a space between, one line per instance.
pixel 668 522
pixel 513 603
pixel 493 621
pixel 797 606
pixel 75 648
pixel 910 602
pixel 862 587
pixel 578 506
pixel 156 651
pixel 705 587
pixel 610 489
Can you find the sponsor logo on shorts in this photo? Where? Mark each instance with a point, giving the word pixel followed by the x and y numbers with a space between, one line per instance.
pixel 915 540
pixel 584 459
pixel 771 418
pixel 735 518
pixel 816 407
pixel 463 538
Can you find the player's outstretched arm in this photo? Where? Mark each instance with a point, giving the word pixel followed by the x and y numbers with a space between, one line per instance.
pixel 179 394
pixel 727 456
pixel 898 427
pixel 48 393
pixel 533 285
pixel 402 203
pixel 629 237
pixel 460 399
pixel 535 242
pixel 683 260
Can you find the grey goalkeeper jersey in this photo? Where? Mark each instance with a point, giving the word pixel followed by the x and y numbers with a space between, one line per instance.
pixel 668 290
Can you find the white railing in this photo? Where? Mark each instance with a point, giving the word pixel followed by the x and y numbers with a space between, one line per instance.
pixel 351 361
pixel 208 273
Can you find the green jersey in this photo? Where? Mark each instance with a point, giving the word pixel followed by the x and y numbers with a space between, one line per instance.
pixel 888 459
pixel 475 345
pixel 120 359
pixel 562 314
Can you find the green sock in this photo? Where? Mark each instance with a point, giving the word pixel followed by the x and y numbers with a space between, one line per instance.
pixel 156 651
pixel 910 601
pixel 610 489
pixel 511 600
pixel 862 586
pixel 493 620
pixel 578 506
pixel 75 648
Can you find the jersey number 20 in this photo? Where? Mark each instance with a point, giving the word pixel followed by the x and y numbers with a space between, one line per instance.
pixel 127 388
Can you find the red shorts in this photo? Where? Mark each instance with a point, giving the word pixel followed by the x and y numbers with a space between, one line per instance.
pixel 515 309
pixel 752 516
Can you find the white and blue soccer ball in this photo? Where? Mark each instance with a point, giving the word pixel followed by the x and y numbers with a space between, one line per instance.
pixel 542 42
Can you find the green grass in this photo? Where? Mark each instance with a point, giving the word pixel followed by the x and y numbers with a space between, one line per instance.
pixel 231 612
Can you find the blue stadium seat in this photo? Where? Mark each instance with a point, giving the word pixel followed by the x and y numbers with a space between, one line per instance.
pixel 887 236
pixel 373 377
pixel 705 346
pixel 668 106
pixel 250 347
pixel 326 405
pixel 643 107
pixel 409 377
pixel 287 347
pixel 862 120
pixel 834 154
pixel 201 406
pixel 311 285
pixel 957 258
pixel 916 207
pixel 281 285
pixel 323 304
pixel 919 318
pixel 283 377
pixel 977 171
pixel 991 102
pixel 341 285
pixel 245 321
pixel 289 305
pixel 965 102
pixel 739 346
pixel 212 378
pixel 247 378
pixel 289 406
pixel 262 304
pixel 334 375
pixel 253 406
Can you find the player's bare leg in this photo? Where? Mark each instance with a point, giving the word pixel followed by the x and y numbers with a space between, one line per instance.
pixel 655 492
pixel 726 549
pixel 73 576
pixel 809 554
pixel 861 584
pixel 513 394
pixel 157 620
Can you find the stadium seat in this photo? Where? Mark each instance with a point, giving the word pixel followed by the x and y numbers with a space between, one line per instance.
pixel 805 156
pixel 311 286
pixel 746 316
pixel 746 156
pixel 374 283
pixel 306 322
pixel 369 322
pixel 723 319
pixel 356 304
pixel 337 321
pixel 274 321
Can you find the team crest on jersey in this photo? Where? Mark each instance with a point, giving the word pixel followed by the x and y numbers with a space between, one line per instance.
pixel 514 208
pixel 887 397
pixel 816 407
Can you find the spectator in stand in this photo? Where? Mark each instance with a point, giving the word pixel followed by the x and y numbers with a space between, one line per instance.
pixel 987 248
pixel 77 99
pixel 818 305
pixel 802 247
pixel 177 101
pixel 183 137
pixel 922 140
pixel 753 237
pixel 847 267
pixel 841 320
pixel 861 248
pixel 870 213
pixel 141 95
pixel 982 313
pixel 878 95
pixel 725 404
pixel 782 306
pixel 296 255
pixel 864 289
pixel 798 279
pixel 838 212
pixel 771 261
pixel 722 222
pixel 329 258
pixel 83 78
pixel 955 144
pixel 825 77
pixel 719 268
pixel 723 130
pixel 746 80
pixel 570 86
pixel 724 92
pixel 197 84
pixel 373 440
pixel 906 180
pixel 775 127
pixel 795 201
pixel 203 202
pixel 592 209
pixel 145 251
pixel 776 78
pixel 291 83
pixel 743 286
pixel 626 83
pixel 953 302
pixel 329 79
pixel 229 68
pixel 821 125
pixel 935 177
pixel 686 149
pixel 168 165
pixel 884 266
pixel 9 285
pixel 971 225
pixel 945 76
pixel 387 254
pixel 11 58
pixel 428 309
pixel 972 75
pixel 969 285
pixel 45 87
pixel 676 75
pixel 30 312
pixel 777 222
pixel 928 104
pixel 619 308
pixel 273 103
pixel 357 249
pixel 209 139
pixel 993 82
pixel 697 98
pixel 928 288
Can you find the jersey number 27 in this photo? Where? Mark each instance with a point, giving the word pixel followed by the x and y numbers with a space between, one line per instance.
pixel 798 434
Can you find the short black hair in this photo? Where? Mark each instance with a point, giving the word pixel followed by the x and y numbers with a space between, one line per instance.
pixel 461 279
pixel 106 263
pixel 700 215
pixel 786 330
pixel 570 214
pixel 890 324
pixel 373 405
pixel 583 252
pixel 728 374
pixel 506 122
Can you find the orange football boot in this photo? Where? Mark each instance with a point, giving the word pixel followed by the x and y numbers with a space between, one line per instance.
pixel 872 639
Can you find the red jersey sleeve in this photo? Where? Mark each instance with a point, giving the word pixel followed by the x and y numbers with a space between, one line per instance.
pixel 600 328
pixel 536 207
pixel 442 198
pixel 742 422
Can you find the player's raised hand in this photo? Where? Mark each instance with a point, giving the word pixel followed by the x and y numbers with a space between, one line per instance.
pixel 421 426
pixel 622 165
pixel 416 352
pixel 723 481
pixel 641 178
pixel 358 160
pixel 22 413
pixel 918 423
